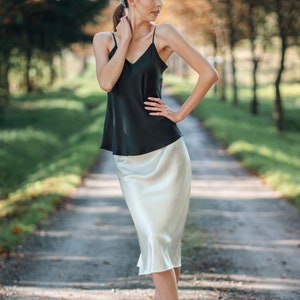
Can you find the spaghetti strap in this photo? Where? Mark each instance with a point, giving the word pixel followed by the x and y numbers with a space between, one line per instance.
pixel 153 34
pixel 114 39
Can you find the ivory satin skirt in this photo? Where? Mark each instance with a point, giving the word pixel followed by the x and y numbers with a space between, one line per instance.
pixel 156 188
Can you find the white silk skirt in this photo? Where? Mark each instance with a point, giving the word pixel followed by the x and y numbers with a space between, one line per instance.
pixel 156 188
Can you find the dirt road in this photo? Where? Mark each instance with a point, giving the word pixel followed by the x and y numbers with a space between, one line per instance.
pixel 250 238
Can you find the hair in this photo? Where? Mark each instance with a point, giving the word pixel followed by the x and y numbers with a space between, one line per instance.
pixel 119 13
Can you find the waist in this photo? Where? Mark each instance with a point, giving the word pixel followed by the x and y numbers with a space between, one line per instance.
pixel 138 138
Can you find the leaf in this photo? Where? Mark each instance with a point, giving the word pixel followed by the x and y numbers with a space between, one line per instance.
pixel 3 252
pixel 17 229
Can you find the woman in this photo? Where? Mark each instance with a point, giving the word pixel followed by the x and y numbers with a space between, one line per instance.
pixel 140 129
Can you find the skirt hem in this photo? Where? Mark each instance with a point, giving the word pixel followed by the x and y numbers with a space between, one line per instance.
pixel 158 271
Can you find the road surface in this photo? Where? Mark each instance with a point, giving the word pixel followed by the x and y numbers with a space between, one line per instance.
pixel 249 246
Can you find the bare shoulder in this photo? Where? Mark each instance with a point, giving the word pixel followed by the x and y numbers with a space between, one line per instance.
pixel 102 43
pixel 164 30
pixel 167 31
pixel 102 37
pixel 169 35
pixel 168 38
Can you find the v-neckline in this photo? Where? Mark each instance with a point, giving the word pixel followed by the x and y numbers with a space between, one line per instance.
pixel 140 57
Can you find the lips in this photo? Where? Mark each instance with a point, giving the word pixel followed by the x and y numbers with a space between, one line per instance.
pixel 156 12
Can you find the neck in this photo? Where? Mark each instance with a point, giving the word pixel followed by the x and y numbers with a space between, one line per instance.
pixel 140 28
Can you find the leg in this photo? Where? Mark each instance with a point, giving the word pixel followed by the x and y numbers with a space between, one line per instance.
pixel 177 274
pixel 165 285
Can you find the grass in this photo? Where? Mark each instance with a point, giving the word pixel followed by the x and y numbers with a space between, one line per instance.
pixel 47 143
pixel 252 139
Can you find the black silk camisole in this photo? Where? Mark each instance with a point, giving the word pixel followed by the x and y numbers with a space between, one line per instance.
pixel 128 127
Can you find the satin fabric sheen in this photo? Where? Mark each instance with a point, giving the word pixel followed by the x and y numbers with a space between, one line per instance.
pixel 156 187
pixel 128 127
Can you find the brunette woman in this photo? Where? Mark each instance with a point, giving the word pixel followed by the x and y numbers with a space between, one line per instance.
pixel 140 130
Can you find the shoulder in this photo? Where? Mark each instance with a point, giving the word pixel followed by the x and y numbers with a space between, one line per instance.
pixel 169 34
pixel 164 29
pixel 102 37
pixel 103 42
pixel 169 37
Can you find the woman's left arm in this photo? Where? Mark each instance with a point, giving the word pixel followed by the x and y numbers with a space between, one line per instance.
pixel 207 75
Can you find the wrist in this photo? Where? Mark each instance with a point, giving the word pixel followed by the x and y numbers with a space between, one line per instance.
pixel 179 116
pixel 125 41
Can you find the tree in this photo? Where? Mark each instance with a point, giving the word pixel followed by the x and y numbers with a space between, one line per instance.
pixel 200 22
pixel 9 21
pixel 43 26
pixel 288 25
pixel 220 33
pixel 259 38
pixel 235 15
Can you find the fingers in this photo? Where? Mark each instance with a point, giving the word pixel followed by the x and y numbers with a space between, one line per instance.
pixel 153 108
pixel 154 101
pixel 153 104
pixel 122 21
pixel 156 106
pixel 123 25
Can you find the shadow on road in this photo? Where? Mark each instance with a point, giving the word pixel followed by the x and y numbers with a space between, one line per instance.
pixel 250 238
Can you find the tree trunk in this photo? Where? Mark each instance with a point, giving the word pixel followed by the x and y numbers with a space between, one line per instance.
pixel 220 46
pixel 254 101
pixel 224 78
pixel 234 79
pixel 215 47
pixel 231 44
pixel 278 108
pixel 255 61
pixel 63 73
pixel 4 84
pixel 28 84
pixel 222 82
pixel 53 74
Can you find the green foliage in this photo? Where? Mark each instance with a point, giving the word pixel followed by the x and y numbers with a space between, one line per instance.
pixel 253 139
pixel 47 143
pixel 38 30
pixel 46 25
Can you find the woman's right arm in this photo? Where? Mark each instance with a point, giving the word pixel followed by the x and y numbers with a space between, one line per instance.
pixel 108 70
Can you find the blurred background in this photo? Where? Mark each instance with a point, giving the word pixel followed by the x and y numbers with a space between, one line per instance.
pixel 52 110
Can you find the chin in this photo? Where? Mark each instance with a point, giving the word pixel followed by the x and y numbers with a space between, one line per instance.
pixel 154 17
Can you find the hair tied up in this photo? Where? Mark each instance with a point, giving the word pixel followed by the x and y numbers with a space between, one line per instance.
pixel 119 13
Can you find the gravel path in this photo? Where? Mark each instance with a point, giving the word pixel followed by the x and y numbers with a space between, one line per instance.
pixel 249 249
